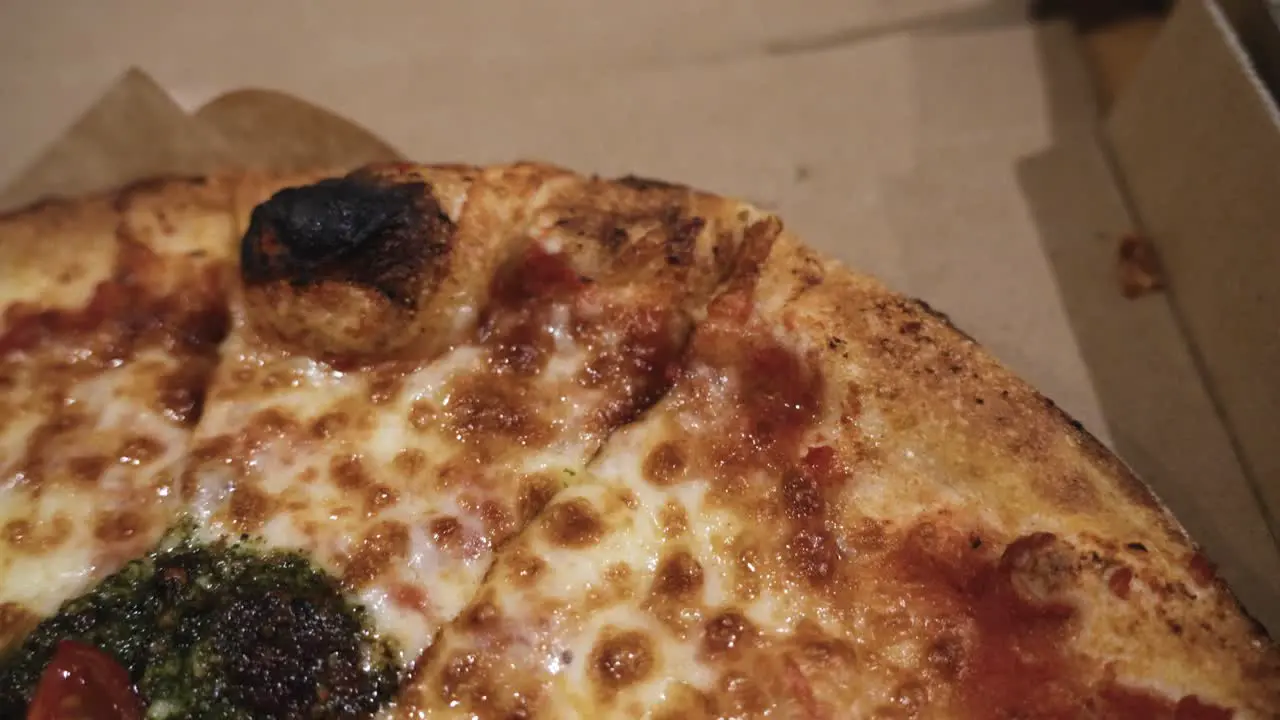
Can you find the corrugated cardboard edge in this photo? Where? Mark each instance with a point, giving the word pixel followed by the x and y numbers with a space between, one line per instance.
pixel 1196 145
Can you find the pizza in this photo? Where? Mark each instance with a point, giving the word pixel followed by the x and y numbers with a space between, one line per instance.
pixel 438 441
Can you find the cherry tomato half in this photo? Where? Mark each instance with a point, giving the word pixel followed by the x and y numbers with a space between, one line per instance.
pixel 82 682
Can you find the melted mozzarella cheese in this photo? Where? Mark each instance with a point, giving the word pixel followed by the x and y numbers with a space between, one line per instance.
pixel 404 499
pixel 88 472
pixel 672 582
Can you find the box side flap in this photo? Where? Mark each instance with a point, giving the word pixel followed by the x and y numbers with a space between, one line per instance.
pixel 1197 143
pixel 1162 420
pixel 273 131
pixel 1259 34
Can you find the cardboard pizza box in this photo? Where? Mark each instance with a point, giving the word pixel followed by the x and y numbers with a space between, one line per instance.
pixel 1197 141
pixel 944 145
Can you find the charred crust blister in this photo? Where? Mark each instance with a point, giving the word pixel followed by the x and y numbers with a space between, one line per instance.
pixel 355 229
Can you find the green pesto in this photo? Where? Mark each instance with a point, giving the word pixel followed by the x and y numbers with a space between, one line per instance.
pixel 222 630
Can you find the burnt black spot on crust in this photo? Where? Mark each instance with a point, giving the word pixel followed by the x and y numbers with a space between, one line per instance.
pixel 353 229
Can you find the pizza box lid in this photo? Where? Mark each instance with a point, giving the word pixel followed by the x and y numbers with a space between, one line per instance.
pixel 944 145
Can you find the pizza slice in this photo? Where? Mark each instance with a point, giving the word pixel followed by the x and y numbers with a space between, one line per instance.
pixel 844 508
pixel 420 357
pixel 111 310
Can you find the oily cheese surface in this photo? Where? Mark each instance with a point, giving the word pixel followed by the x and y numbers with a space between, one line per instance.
pixel 398 443
pixel 111 309
pixel 589 447
pixel 844 508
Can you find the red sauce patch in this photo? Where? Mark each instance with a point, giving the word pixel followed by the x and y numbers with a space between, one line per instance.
pixel 536 275
pixel 1117 701
pixel 81 681
pixel 516 323
pixel 1119 582
pixel 1192 707
pixel 636 355
pixel 781 395
pixel 1012 659
pixel 777 395
pixel 1203 570
pixel 123 314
